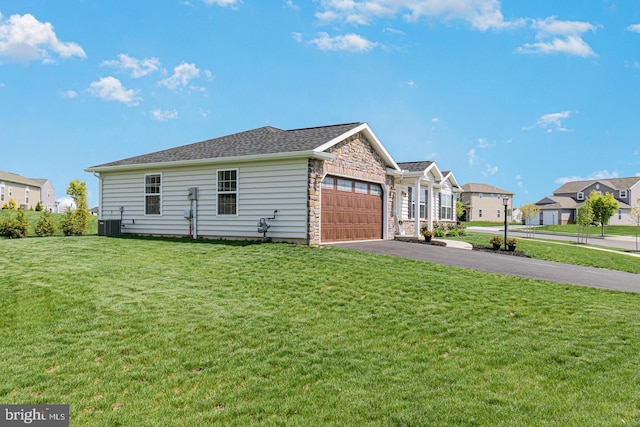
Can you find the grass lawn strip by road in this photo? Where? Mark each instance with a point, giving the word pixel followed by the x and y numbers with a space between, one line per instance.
pixel 159 332
pixel 567 253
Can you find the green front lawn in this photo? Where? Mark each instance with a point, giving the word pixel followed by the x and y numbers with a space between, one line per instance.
pixel 572 229
pixel 565 252
pixel 147 332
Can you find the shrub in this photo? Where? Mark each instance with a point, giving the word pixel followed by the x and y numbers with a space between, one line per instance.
pixel 14 228
pixel 12 205
pixel 75 222
pixel 39 207
pixel 438 232
pixel 46 226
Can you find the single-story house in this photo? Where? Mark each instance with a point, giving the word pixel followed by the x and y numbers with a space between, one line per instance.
pixel 484 202
pixel 562 207
pixel 313 186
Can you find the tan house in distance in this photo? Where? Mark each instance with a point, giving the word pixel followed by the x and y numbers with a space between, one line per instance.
pixel 484 202
pixel 26 192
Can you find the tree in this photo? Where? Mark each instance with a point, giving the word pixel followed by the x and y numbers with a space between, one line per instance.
pixel 76 222
pixel 584 220
pixel 459 210
pixel 38 207
pixel 528 213
pixel 46 226
pixel 603 207
pixel 634 215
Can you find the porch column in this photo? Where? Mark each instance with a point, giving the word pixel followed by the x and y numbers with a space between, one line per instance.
pixel 416 208
pixel 430 213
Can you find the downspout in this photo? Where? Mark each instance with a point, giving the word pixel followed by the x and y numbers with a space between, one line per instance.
pixel 97 175
pixel 430 207
pixel 416 209
pixel 195 219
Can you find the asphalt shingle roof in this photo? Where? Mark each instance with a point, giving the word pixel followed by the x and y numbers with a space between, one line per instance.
pixel 617 183
pixel 483 188
pixel 264 140
pixel 18 179
pixel 414 166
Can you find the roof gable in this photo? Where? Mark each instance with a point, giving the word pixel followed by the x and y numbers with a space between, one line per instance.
pixel 614 183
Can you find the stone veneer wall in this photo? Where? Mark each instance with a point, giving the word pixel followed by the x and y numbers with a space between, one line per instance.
pixel 356 158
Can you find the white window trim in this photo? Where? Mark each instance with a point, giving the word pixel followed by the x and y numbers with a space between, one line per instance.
pixel 580 195
pixel 237 193
pixel 152 194
pixel 2 187
pixel 26 195
pixel 622 194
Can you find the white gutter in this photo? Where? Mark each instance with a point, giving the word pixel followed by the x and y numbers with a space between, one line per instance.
pixel 218 160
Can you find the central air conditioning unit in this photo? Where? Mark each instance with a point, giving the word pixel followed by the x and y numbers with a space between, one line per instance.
pixel 109 227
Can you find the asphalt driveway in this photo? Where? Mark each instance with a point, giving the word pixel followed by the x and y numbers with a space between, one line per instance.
pixel 503 264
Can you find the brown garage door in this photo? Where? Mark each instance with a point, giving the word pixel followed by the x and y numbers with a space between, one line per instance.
pixel 351 210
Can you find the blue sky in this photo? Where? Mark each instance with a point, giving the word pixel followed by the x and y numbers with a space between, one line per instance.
pixel 520 95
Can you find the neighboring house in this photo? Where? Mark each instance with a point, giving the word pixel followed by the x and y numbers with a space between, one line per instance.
pixel 426 195
pixel 484 202
pixel 314 185
pixel 47 194
pixel 562 207
pixel 24 191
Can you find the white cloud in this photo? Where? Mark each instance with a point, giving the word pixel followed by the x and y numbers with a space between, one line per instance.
pixel 23 39
pixel 393 31
pixel 435 120
pixel 69 94
pixel 290 4
pixel 483 143
pixel 471 155
pixel 490 170
pixel 552 122
pixel 598 175
pixel 411 84
pixel 224 3
pixel 635 28
pixel 349 42
pixel 138 67
pixel 110 89
pixel 480 14
pixel 182 74
pixel 557 36
pixel 163 115
pixel 297 37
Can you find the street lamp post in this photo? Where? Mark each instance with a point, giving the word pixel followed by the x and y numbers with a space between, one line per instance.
pixel 505 202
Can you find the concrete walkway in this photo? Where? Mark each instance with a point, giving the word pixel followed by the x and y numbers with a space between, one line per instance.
pixel 503 264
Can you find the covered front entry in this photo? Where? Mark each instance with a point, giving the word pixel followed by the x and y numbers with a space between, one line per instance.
pixel 351 210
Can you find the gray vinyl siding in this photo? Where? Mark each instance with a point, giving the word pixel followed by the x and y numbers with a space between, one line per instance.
pixel 262 188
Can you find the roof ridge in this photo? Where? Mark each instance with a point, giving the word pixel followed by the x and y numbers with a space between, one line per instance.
pixel 324 127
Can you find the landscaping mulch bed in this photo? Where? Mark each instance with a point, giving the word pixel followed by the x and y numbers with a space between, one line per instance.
pixel 412 239
pixel 482 248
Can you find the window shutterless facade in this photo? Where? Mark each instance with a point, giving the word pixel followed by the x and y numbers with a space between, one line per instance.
pixel 152 194
pixel 446 206
pixel 228 192
pixel 1 191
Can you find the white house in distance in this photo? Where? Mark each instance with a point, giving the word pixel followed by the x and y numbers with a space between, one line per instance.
pixel 563 205
pixel 312 186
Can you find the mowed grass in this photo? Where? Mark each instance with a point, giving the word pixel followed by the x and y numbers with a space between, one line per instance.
pixel 144 332
pixel 33 217
pixel 565 252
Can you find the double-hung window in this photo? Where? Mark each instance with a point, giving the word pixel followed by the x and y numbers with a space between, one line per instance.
pixel 228 192
pixel 152 194
pixel 446 206
pixel 2 192
pixel 412 203
pixel 26 195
